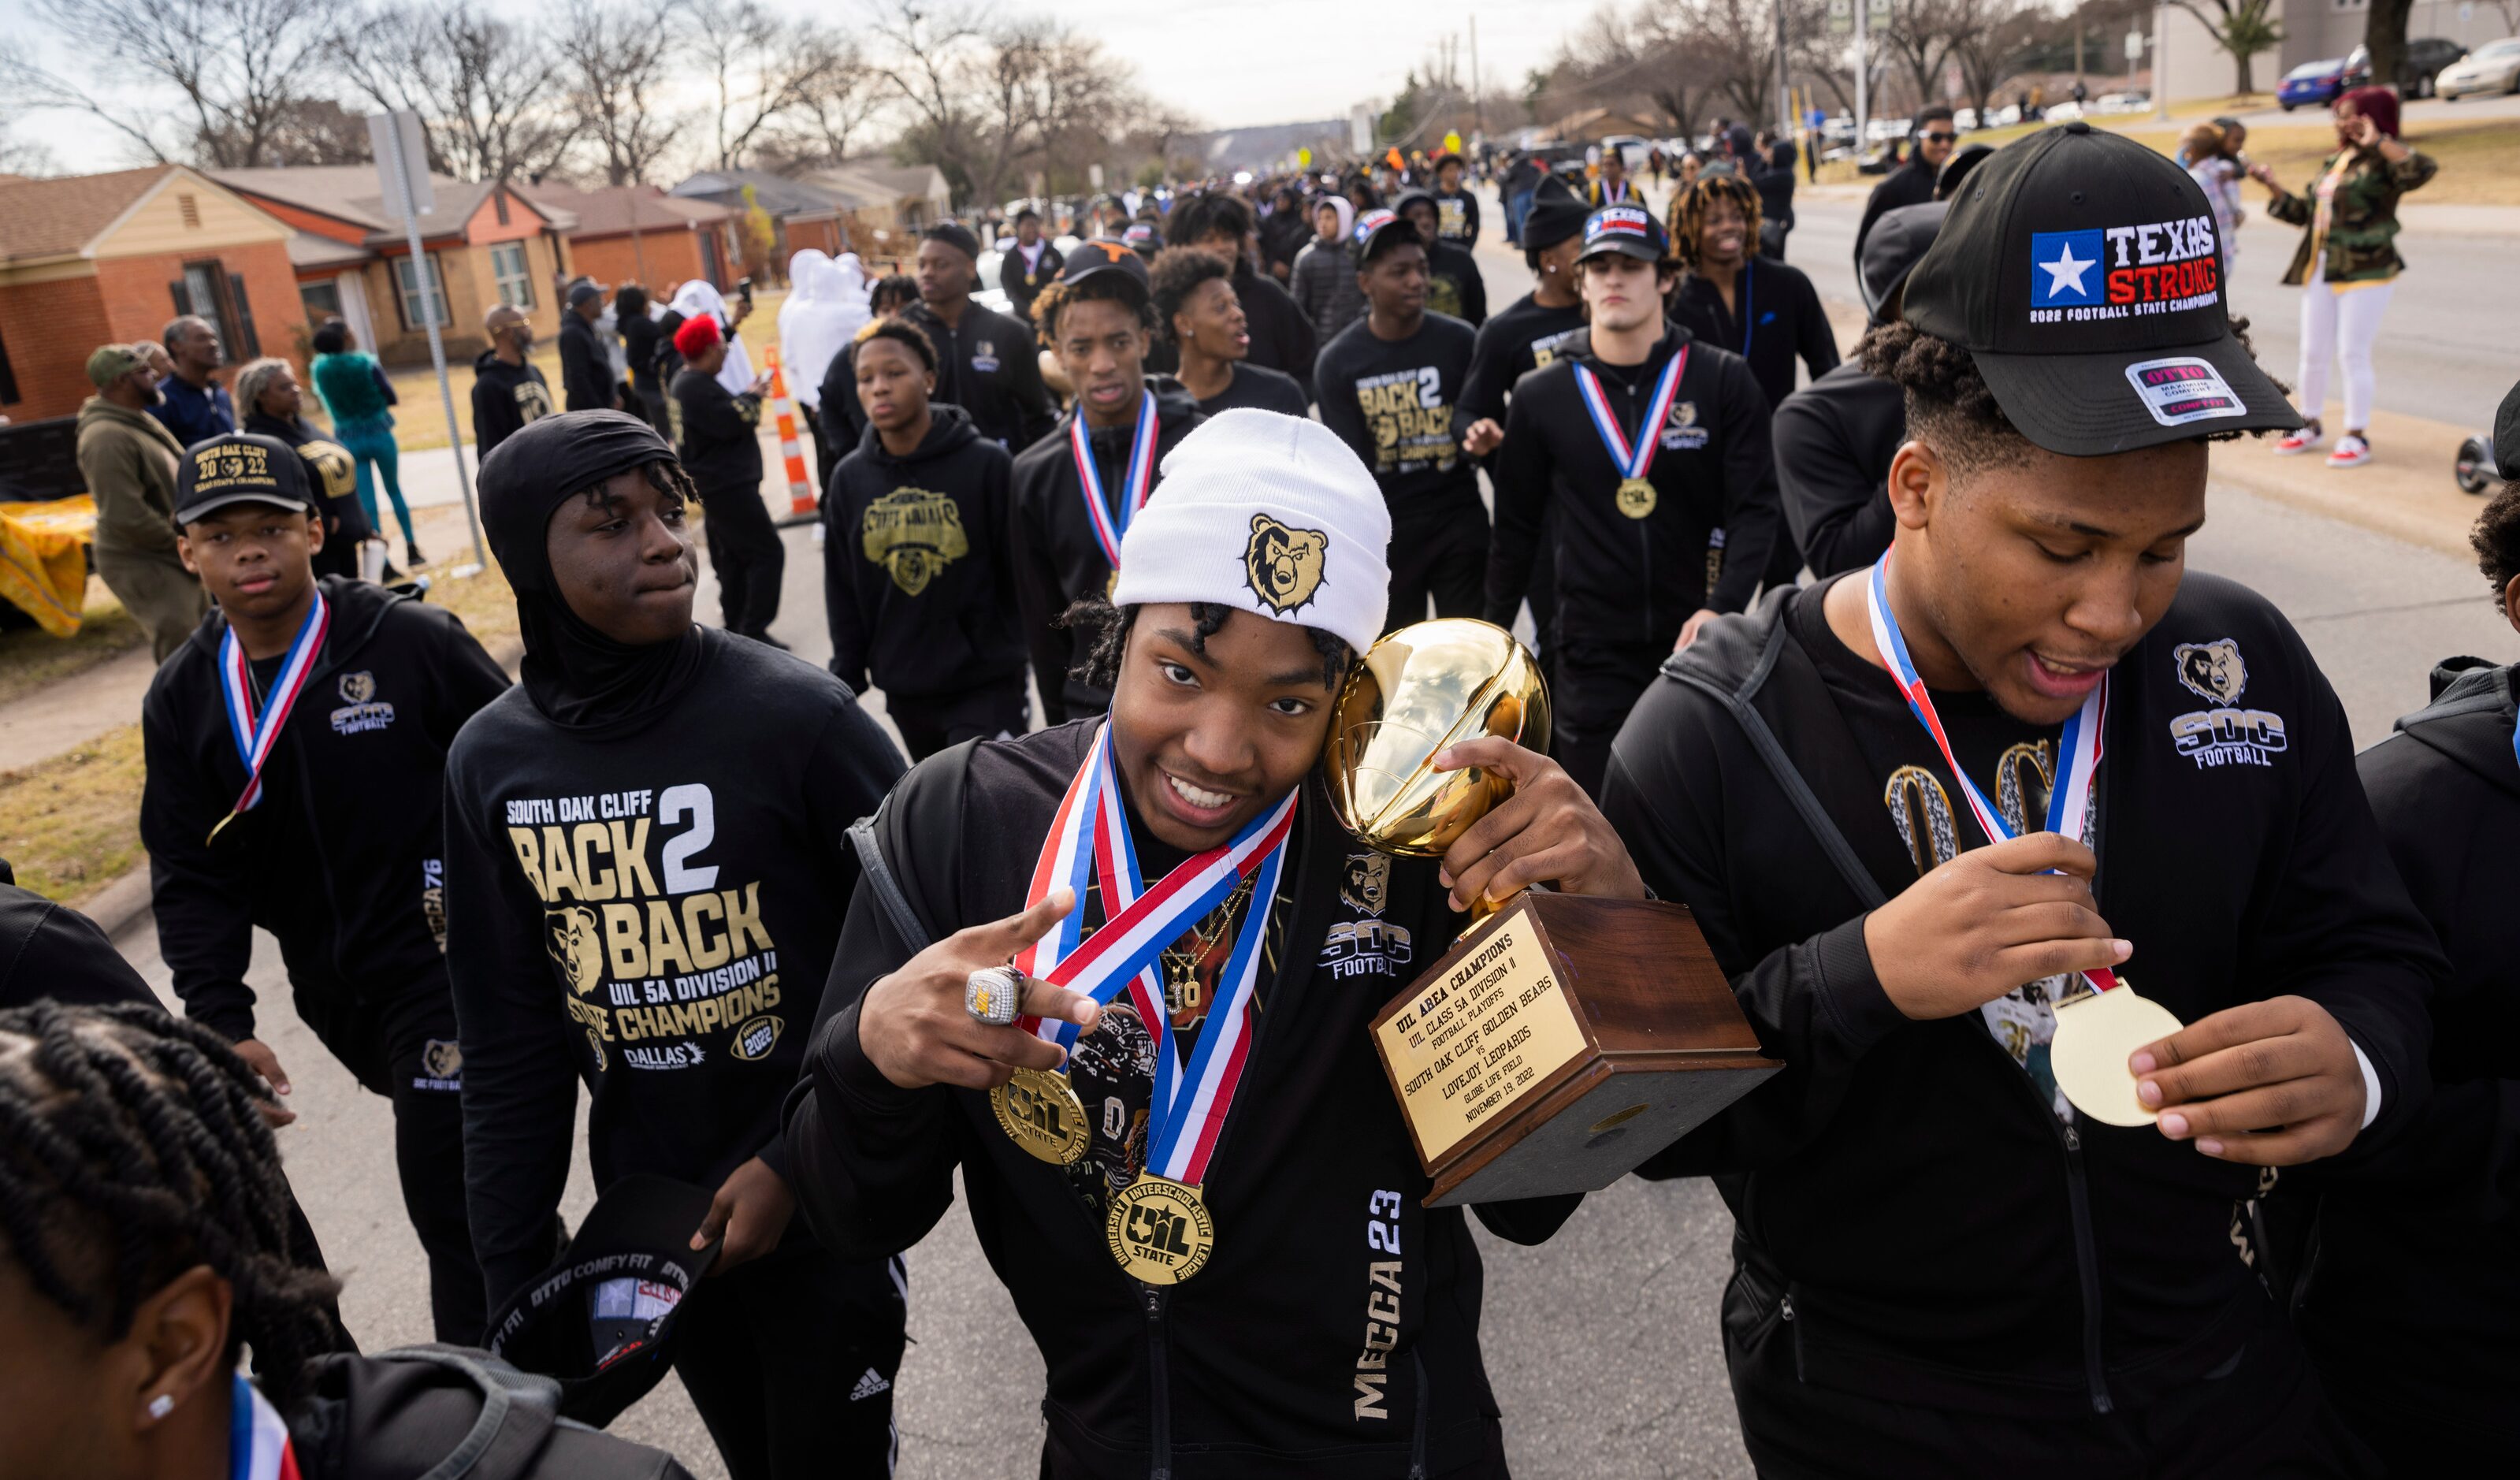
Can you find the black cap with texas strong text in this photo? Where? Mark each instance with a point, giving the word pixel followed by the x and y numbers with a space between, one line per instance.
pixel 2080 270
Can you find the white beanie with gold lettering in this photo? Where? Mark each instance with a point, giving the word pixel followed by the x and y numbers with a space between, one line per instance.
pixel 1269 514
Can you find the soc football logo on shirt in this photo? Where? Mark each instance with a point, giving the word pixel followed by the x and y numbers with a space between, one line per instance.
pixel 2065 268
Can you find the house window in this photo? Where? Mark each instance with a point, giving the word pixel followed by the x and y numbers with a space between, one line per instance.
pixel 515 283
pixel 207 292
pixel 323 302
pixel 407 294
pixel 8 378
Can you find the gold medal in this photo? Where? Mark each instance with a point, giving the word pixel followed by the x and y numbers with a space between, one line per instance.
pixel 1040 1112
pixel 1159 1230
pixel 1635 498
pixel 2095 1037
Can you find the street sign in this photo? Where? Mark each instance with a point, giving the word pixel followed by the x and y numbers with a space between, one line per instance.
pixel 1841 18
pixel 1880 11
pixel 2135 46
pixel 1452 141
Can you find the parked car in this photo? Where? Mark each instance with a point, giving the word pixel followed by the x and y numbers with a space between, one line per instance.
pixel 2315 84
pixel 2493 68
pixel 2423 60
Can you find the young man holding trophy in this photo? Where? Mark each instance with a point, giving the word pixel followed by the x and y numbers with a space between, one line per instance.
pixel 1119 973
pixel 1926 810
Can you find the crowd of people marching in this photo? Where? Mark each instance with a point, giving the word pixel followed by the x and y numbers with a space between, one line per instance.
pixel 1109 561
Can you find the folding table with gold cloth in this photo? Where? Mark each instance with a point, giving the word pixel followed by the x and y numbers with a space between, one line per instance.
pixel 43 559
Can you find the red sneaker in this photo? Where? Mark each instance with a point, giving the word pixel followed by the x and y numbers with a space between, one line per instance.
pixel 2351 452
pixel 2296 443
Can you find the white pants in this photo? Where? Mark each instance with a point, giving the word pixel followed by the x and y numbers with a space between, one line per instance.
pixel 2347 322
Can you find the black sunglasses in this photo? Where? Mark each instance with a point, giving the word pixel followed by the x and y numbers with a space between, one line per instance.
pixel 1941 138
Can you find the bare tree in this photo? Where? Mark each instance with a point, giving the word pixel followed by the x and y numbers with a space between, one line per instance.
pixel 487 92
pixel 615 59
pixel 240 68
pixel 831 113
pixel 1992 34
pixel 19 155
pixel 925 63
pixel 1922 35
pixel 762 70
pixel 308 132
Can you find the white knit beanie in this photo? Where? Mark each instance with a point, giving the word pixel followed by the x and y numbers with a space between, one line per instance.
pixel 1269 514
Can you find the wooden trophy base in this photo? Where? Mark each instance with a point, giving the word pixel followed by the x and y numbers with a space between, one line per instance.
pixel 1562 1041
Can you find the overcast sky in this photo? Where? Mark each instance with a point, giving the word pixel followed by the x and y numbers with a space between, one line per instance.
pixel 1229 62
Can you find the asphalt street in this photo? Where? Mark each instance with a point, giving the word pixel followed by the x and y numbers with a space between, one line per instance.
pixel 1603 1344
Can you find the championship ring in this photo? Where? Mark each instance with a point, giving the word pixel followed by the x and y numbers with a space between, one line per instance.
pixel 992 995
pixel 1635 498
pixel 1040 1112
pixel 1159 1230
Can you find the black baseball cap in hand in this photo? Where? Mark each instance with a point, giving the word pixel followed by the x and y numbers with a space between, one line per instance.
pixel 240 468
pixel 2080 271
pixel 601 1320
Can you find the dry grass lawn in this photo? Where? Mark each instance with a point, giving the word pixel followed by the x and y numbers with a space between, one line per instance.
pixel 70 824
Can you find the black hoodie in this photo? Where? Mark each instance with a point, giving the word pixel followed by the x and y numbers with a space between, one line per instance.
pixel 1621 579
pixel 720 435
pixel 1941 1238
pixel 986 365
pixel 505 397
pixel 2412 1306
pixel 343 860
pixel 918 563
pixel 1282 338
pixel 1834 441
pixel 1334 1332
pixel 1057 559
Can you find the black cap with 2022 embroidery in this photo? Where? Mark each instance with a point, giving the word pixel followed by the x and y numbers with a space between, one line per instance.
pixel 2080 270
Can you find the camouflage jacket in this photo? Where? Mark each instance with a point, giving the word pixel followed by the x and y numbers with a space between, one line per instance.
pixel 2362 221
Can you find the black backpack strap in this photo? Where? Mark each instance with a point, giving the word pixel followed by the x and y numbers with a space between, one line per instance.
pixel 1781 766
pixel 879 876
pixel 518 1412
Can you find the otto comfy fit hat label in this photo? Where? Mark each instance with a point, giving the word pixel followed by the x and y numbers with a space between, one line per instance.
pixel 2183 389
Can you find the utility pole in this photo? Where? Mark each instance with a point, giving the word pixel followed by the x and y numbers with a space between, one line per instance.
pixel 1785 93
pixel 1862 74
pixel 1478 111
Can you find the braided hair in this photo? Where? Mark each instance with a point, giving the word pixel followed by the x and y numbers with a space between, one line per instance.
pixel 132 1149
pixel 1108 627
pixel 1688 208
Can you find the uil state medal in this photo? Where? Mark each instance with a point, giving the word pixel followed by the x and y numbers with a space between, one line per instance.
pixel 1160 1231
pixel 1635 498
pixel 1040 1112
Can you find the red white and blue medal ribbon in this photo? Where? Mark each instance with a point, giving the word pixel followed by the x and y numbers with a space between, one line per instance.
pixel 1108 528
pixel 2078 759
pixel 1088 837
pixel 1633 462
pixel 258 1438
pixel 256 734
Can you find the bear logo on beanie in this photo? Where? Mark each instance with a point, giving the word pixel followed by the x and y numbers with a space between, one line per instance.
pixel 1283 565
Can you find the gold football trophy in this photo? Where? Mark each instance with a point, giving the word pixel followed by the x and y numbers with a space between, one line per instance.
pixel 1561 1040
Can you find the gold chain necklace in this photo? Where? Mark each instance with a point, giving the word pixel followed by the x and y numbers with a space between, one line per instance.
pixel 1182 988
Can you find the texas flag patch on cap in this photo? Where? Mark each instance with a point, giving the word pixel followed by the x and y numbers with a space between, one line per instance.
pixel 1618 220
pixel 1369 223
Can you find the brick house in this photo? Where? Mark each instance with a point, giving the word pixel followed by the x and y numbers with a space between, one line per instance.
pixel 875 210
pixel 92 259
pixel 638 234
pixel 486 243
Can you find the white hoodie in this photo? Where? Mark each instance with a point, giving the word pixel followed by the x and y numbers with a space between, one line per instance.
pixel 697 297
pixel 810 324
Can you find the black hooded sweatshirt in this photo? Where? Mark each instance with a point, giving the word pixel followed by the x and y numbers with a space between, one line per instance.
pixel 1334 1332
pixel 1282 333
pixel 1778 320
pixel 643 845
pixel 1057 559
pixel 343 858
pixel 2415 1293
pixel 720 434
pixel 585 369
pixel 1940 1237
pixel 1621 579
pixel 505 397
pixel 1834 441
pixel 1513 345
pixel 918 563
pixel 985 364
